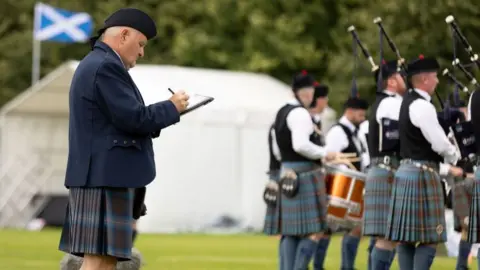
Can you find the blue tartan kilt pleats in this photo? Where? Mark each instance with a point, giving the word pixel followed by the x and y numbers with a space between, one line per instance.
pixel 99 221
pixel 461 200
pixel 473 235
pixel 272 216
pixel 417 207
pixel 306 213
pixel 378 192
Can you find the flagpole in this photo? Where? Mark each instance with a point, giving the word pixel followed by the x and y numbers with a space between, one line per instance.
pixel 36 47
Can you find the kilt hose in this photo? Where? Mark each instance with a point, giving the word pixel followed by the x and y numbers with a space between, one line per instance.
pixel 417 207
pixel 462 199
pixel 306 212
pixel 473 235
pixel 99 221
pixel 272 216
pixel 378 191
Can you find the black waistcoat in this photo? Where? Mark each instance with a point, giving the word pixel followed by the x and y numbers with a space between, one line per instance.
pixel 412 143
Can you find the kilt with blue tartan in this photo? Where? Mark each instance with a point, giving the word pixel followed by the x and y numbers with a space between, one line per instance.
pixel 99 221
pixel 473 235
pixel 306 213
pixel 376 201
pixel 417 207
pixel 272 216
pixel 461 200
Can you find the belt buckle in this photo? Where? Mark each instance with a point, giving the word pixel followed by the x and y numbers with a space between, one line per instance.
pixel 386 160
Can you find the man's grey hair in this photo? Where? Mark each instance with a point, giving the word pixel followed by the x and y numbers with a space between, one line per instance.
pixel 72 262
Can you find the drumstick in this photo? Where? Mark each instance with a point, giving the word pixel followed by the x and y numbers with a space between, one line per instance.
pixel 345 162
pixel 355 159
pixel 346 155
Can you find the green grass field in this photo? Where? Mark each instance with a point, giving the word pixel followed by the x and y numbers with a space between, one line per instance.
pixel 21 250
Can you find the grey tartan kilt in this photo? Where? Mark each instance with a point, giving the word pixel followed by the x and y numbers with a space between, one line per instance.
pixel 99 221
pixel 306 213
pixel 461 199
pixel 473 235
pixel 272 216
pixel 417 207
pixel 378 192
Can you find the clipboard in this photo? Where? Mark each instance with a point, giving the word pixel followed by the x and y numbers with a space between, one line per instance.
pixel 196 101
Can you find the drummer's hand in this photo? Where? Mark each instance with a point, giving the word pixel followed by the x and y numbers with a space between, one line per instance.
pixel 455 171
pixel 330 156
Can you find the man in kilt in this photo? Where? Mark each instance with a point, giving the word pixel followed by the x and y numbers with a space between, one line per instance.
pixel 110 158
pixel 343 138
pixel 460 196
pixel 384 147
pixel 303 201
pixel 417 206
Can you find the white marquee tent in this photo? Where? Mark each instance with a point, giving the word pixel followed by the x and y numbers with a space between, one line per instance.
pixel 209 165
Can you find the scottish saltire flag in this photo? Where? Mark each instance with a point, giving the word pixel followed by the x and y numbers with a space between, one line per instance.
pixel 59 25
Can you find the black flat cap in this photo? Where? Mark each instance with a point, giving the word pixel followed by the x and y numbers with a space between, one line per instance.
pixel 356 103
pixel 389 68
pixel 302 80
pixel 422 64
pixel 129 17
pixel 321 90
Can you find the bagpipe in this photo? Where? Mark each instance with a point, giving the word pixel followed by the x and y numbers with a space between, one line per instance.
pixel 462 128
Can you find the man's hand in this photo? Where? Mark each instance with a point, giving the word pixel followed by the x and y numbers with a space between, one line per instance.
pixel 180 100
pixel 456 171
pixel 331 156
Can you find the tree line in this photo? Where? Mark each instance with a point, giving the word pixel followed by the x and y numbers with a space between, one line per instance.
pixel 278 37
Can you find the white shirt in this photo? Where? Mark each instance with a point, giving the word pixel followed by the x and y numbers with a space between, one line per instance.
pixel 362 136
pixel 389 107
pixel 424 116
pixel 275 149
pixel 469 108
pixel 299 121
pixel 336 139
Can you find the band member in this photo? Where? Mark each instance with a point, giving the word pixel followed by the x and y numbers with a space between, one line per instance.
pixel 384 150
pixel 417 206
pixel 343 137
pixel 303 202
pixel 460 197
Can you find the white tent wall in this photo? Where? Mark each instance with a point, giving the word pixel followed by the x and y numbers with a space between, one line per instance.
pixel 211 164
pixel 39 139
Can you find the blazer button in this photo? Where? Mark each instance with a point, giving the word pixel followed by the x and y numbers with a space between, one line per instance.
pixel 133 141
pixel 124 142
pixel 115 141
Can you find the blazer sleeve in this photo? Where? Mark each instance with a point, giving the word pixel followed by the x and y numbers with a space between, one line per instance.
pixel 126 112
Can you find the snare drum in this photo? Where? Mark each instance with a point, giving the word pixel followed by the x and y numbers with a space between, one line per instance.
pixel 345 188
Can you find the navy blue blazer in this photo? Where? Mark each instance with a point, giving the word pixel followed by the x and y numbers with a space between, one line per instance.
pixel 110 128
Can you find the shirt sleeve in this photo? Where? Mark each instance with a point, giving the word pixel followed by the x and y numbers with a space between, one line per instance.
pixel 424 116
pixel 301 126
pixel 336 140
pixel 275 148
pixel 388 108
